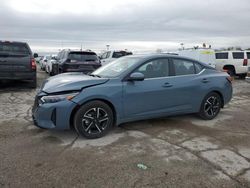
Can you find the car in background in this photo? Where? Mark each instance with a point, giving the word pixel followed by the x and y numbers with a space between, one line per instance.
pixel 44 61
pixel 38 59
pixel 17 62
pixel 110 56
pixel 48 65
pixel 234 62
pixel 205 55
pixel 128 89
pixel 76 61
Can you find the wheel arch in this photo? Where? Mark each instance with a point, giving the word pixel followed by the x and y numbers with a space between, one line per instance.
pixel 95 99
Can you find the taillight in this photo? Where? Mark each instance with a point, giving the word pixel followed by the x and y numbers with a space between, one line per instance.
pixel 245 62
pixel 229 79
pixel 33 64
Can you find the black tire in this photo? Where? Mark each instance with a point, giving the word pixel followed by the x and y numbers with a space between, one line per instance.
pixel 231 72
pixel 242 76
pixel 210 106
pixel 51 72
pixel 94 119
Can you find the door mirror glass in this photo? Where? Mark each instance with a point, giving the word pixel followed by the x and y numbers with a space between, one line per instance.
pixel 136 76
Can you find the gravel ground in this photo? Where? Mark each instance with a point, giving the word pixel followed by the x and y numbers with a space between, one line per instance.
pixel 182 151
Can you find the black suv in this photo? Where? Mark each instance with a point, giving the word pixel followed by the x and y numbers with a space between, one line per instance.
pixel 17 62
pixel 76 61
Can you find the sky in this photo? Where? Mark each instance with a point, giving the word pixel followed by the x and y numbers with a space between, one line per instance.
pixel 136 25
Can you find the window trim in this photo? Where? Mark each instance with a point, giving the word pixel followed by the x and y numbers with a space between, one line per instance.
pixel 171 69
pixel 174 73
pixel 169 66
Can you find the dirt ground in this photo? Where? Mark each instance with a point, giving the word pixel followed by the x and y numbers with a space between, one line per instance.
pixel 182 151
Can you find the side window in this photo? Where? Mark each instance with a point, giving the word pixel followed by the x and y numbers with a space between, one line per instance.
pixel 183 67
pixel 238 55
pixel 198 68
pixel 155 69
pixel 108 54
pixel 248 55
pixel 223 55
pixel 104 56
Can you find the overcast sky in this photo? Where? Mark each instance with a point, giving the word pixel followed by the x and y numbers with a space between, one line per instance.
pixel 48 25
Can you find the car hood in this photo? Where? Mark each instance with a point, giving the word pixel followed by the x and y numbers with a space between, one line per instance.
pixel 70 82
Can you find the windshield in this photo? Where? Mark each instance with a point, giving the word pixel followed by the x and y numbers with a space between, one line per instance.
pixel 14 48
pixel 116 68
pixel 83 56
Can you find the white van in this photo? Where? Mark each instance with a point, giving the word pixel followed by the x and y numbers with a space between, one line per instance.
pixel 205 55
pixel 234 62
pixel 110 56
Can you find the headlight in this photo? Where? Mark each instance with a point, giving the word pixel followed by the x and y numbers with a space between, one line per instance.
pixel 57 98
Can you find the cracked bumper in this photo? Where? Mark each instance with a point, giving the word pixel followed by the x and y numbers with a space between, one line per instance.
pixel 53 115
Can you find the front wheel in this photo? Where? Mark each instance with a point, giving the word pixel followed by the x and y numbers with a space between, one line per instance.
pixel 210 106
pixel 94 119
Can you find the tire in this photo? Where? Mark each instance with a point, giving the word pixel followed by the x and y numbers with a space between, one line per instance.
pixel 231 72
pixel 210 106
pixel 94 119
pixel 242 76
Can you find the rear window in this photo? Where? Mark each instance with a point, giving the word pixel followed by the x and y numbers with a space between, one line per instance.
pixel 221 55
pixel 121 54
pixel 248 55
pixel 238 55
pixel 14 48
pixel 82 56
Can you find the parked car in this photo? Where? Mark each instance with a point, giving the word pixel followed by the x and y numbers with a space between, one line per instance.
pixel 48 65
pixel 205 55
pixel 38 59
pixel 110 56
pixel 17 62
pixel 44 61
pixel 234 62
pixel 77 61
pixel 129 89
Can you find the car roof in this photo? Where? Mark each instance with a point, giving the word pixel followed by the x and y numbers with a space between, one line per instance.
pixel 11 42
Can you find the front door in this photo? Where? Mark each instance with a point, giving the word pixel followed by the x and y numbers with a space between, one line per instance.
pixel 152 96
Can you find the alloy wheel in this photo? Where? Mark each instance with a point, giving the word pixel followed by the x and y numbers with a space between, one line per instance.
pixel 95 120
pixel 212 106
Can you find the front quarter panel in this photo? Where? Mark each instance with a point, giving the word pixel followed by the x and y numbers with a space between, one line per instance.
pixel 111 91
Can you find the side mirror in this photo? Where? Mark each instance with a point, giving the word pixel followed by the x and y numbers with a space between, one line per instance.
pixel 136 76
pixel 35 55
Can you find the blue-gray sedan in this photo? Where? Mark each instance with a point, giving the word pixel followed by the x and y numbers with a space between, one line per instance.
pixel 128 89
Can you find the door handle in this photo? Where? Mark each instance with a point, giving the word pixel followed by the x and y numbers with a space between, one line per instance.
pixel 204 80
pixel 167 85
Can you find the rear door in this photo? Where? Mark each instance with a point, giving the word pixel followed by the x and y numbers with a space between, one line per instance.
pixel 188 84
pixel 14 57
pixel 238 58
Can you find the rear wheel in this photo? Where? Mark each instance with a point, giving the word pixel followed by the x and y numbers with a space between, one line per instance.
pixel 94 119
pixel 210 106
pixel 242 76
